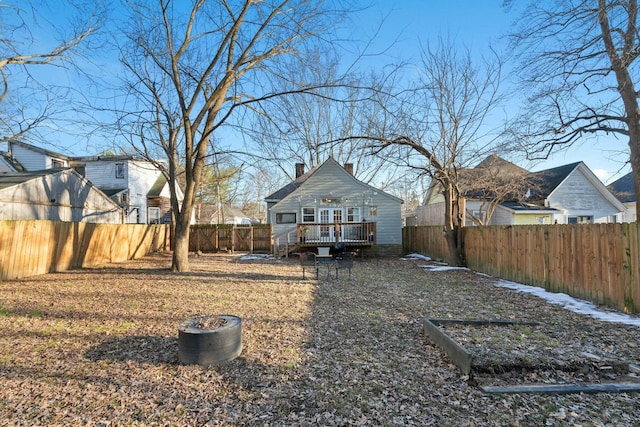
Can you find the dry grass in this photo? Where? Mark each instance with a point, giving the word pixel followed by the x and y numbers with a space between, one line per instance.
pixel 99 347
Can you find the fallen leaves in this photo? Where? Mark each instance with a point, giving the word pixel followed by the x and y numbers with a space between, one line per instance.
pixel 99 347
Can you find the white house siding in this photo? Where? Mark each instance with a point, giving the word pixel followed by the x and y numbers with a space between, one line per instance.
pixel 139 177
pixel 577 196
pixel 502 216
pixel 33 160
pixel 629 214
pixel 332 180
pixel 61 196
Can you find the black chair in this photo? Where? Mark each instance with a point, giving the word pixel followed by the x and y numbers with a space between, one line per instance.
pixel 308 260
pixel 344 261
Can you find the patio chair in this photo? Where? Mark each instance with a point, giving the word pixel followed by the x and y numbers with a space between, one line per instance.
pixel 308 260
pixel 344 261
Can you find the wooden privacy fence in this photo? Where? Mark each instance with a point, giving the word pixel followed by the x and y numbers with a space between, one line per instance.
pixel 596 262
pixel 29 248
pixel 223 237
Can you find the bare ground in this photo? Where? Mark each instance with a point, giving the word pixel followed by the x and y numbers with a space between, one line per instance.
pixel 99 347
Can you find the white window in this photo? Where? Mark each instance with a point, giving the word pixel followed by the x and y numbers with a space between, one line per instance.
pixel 308 215
pixel 353 214
pixel 153 216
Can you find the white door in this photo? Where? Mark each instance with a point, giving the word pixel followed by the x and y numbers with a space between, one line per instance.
pixel 331 232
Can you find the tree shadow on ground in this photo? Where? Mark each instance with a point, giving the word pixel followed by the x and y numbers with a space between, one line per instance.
pixel 150 349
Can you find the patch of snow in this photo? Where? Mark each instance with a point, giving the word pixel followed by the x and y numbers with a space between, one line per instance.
pixel 256 257
pixel 415 256
pixel 572 304
pixel 442 268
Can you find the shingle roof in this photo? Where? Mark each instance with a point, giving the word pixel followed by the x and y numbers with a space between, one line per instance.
pixel 547 180
pixel 623 188
pixel 291 187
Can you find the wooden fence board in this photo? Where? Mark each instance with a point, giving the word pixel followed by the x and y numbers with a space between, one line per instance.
pixel 29 248
pixel 597 262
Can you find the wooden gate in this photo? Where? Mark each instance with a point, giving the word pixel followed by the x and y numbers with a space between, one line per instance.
pixel 241 238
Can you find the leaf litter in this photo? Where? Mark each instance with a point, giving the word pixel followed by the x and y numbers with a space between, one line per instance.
pixel 98 346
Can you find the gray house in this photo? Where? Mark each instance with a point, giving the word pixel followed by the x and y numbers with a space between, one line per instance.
pixel 328 205
pixel 59 194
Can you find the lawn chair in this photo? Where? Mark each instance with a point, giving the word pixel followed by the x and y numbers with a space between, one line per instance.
pixel 344 261
pixel 308 260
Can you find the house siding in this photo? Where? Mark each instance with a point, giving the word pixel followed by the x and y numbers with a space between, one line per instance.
pixel 139 177
pixel 577 196
pixel 331 180
pixel 501 216
pixel 32 160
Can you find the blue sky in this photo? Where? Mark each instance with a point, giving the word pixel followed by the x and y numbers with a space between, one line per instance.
pixel 406 23
pixel 477 25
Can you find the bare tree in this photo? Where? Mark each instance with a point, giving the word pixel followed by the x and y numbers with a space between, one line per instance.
pixel 190 69
pixel 491 183
pixel 21 49
pixel 308 128
pixel 441 125
pixel 579 67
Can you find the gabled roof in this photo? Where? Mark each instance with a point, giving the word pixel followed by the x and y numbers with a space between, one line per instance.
pixel 623 188
pixel 295 184
pixel 549 179
pixel 497 162
pixel 290 187
pixel 15 178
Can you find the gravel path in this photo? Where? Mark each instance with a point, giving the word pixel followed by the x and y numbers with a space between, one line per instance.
pixel 99 347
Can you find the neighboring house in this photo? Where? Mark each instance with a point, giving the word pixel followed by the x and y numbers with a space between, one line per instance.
pixel 328 205
pixel 624 190
pixel 569 194
pixel 135 184
pixel 59 194
pixel 210 214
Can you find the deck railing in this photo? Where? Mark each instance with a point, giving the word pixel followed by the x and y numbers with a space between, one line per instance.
pixel 315 234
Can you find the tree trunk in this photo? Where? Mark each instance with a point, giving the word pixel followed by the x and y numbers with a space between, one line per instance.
pixel 452 232
pixel 180 261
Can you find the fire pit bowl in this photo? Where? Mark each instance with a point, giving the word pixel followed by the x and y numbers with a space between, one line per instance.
pixel 209 340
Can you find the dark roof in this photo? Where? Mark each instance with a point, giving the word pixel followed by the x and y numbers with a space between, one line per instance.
pixel 12 162
pixel 157 187
pixel 623 188
pixel 15 178
pixel 548 180
pixel 497 162
pixel 524 206
pixel 291 187
pixel 111 191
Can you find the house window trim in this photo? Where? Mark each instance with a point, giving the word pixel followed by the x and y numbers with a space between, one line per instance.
pixel 119 170
pixel 280 218
pixel 351 217
pixel 305 216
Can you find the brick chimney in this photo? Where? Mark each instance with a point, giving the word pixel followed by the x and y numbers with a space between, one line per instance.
pixel 349 167
pixel 299 169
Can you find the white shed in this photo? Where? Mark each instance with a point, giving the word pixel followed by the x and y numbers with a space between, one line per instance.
pixel 56 195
